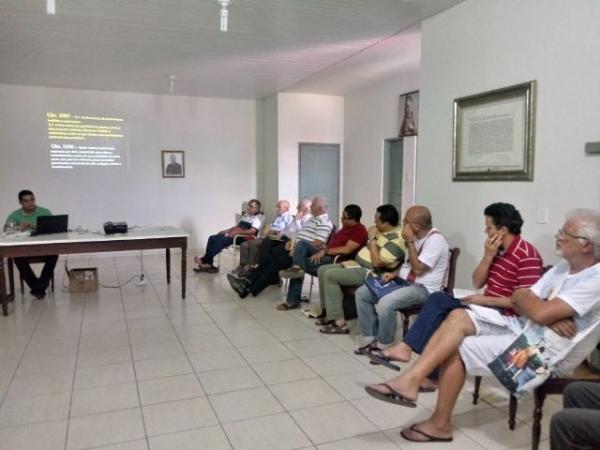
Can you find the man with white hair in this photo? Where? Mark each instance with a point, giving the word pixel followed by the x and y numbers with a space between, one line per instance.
pixel 249 250
pixel 316 231
pixel 566 300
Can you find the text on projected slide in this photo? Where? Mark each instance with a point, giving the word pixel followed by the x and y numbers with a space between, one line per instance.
pixel 79 140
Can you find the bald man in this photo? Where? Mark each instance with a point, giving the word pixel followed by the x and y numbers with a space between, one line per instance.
pixel 424 269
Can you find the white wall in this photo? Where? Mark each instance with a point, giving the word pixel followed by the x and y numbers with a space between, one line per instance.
pixel 304 118
pixel 219 137
pixel 267 157
pixel 371 115
pixel 483 45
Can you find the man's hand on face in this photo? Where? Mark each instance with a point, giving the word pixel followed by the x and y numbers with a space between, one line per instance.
pixel 407 233
pixel 564 328
pixel 492 245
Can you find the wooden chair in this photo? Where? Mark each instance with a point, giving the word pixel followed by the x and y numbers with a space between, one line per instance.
pixel 35 260
pixel 448 288
pixel 556 386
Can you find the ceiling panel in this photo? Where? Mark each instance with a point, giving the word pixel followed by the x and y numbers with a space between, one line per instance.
pixel 134 45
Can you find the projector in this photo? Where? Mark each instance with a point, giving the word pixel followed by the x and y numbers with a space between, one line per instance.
pixel 115 227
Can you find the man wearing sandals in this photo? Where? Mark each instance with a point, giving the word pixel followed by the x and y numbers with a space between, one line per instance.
pixel 508 263
pixel 424 270
pixel 344 244
pixel 249 225
pixel 384 251
pixel 566 299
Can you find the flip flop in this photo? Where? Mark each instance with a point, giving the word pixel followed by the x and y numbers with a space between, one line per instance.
pixel 427 389
pixel 377 357
pixel 332 328
pixel 429 437
pixel 366 349
pixel 393 397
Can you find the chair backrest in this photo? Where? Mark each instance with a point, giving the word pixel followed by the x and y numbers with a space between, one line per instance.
pixel 333 230
pixel 451 273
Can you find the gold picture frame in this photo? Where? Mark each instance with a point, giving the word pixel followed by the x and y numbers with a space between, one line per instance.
pixel 493 138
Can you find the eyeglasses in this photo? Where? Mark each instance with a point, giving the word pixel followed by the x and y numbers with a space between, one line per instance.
pixel 562 233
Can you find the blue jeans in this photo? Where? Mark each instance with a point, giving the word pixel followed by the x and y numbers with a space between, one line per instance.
pixel 434 312
pixel 215 244
pixel 377 317
pixel 295 289
pixel 302 251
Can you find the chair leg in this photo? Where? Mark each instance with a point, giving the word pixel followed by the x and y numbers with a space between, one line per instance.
pixel 22 284
pixel 476 390
pixel 536 428
pixel 512 411
pixel 406 322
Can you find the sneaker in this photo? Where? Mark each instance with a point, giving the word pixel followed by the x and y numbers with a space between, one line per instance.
pixel 286 307
pixel 239 286
pixel 291 273
pixel 38 294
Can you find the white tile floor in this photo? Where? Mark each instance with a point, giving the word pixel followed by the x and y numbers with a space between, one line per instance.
pixel 138 368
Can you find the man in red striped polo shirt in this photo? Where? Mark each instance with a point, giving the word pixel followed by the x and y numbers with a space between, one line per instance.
pixel 508 263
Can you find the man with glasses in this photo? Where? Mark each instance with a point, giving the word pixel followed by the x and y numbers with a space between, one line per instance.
pixel 424 270
pixel 344 244
pixel 566 300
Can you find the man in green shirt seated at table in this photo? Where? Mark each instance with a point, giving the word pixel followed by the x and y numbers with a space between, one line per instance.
pixel 25 218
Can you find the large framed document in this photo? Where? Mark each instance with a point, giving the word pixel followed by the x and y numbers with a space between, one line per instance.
pixel 494 135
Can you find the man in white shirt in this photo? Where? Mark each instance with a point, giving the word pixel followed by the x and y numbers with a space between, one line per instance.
pixel 249 225
pixel 313 231
pixel 424 269
pixel 566 301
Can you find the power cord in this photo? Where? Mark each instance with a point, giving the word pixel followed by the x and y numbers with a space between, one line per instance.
pixel 142 278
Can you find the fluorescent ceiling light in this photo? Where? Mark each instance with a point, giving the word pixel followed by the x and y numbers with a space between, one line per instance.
pixel 51 7
pixel 224 13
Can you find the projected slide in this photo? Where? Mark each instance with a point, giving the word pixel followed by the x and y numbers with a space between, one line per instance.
pixel 78 140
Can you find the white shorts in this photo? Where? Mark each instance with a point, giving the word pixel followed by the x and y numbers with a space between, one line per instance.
pixel 489 341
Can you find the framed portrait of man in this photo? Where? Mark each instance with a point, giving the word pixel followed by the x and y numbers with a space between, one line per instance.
pixel 173 163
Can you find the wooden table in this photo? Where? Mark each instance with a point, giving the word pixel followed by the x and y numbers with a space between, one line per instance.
pixel 142 238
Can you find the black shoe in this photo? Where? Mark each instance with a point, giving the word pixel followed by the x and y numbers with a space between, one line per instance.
pixel 38 294
pixel 239 286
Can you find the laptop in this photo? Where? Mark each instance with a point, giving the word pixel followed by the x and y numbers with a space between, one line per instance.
pixel 51 224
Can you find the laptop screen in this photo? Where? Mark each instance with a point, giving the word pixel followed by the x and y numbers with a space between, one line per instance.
pixel 52 224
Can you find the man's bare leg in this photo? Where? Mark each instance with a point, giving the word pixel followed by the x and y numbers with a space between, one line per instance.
pixel 452 380
pixel 442 346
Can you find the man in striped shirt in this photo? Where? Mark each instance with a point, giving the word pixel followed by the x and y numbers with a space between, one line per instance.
pixel 384 251
pixel 508 263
